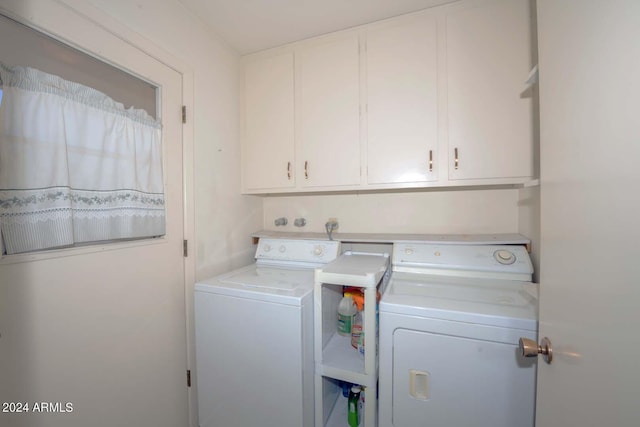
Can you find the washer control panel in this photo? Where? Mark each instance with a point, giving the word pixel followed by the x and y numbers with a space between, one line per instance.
pixel 313 251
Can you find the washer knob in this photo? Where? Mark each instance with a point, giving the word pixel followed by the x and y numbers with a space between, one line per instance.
pixel 266 248
pixel 504 257
pixel 318 250
pixel 282 248
pixel 408 251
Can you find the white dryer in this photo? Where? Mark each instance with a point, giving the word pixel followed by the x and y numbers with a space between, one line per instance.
pixel 254 338
pixel 450 321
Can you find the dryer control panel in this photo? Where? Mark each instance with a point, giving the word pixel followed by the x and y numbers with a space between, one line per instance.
pixel 499 261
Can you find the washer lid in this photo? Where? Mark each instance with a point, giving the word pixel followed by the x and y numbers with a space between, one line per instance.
pixel 287 285
pixel 504 303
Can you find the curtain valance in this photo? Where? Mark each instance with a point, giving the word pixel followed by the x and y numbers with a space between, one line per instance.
pixel 75 166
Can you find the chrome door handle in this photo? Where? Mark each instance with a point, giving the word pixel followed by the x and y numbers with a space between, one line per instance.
pixel 529 348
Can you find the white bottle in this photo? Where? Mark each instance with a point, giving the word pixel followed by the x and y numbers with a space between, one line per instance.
pixel 346 311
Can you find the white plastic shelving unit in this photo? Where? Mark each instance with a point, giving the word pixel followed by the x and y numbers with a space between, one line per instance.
pixel 335 359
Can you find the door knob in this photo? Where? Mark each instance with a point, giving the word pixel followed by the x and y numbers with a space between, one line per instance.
pixel 529 348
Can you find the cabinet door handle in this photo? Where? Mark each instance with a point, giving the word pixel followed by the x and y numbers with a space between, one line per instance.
pixel 456 160
pixel 289 171
pixel 306 169
pixel 430 160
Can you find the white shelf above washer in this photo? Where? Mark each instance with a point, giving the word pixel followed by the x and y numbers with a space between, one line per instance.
pixel 453 239
pixel 354 269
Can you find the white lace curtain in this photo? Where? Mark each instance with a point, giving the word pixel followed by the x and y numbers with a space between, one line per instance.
pixel 75 166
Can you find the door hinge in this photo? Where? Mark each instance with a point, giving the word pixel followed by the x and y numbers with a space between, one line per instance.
pixel 184 114
pixel 188 377
pixel 185 248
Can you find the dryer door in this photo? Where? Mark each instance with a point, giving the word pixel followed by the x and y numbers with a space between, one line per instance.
pixel 443 381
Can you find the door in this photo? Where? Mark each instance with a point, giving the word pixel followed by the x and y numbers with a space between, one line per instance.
pixel 590 275
pixel 402 101
pixel 99 333
pixel 490 119
pixel 268 123
pixel 328 112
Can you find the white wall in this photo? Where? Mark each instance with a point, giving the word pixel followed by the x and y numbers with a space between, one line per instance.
pixel 529 198
pixel 447 212
pixel 223 218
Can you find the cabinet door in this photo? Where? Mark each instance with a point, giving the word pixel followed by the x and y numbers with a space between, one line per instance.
pixel 329 112
pixel 488 49
pixel 402 105
pixel 268 139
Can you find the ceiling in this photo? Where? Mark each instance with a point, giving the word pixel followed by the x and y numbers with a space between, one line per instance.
pixel 253 25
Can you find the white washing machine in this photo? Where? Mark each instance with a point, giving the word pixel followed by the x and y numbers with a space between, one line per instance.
pixel 254 338
pixel 450 321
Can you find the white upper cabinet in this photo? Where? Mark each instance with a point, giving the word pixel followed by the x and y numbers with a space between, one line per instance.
pixel 402 100
pixel 328 111
pixel 490 119
pixel 433 98
pixel 268 130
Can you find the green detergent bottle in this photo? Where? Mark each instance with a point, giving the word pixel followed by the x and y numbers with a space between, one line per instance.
pixel 353 409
